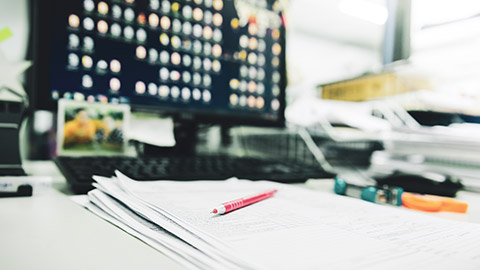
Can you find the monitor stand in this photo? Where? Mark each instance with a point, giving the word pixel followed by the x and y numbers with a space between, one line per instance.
pixel 186 137
pixel 189 142
pixel 11 114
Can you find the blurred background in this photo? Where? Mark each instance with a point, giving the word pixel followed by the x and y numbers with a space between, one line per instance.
pixel 339 39
pixel 435 41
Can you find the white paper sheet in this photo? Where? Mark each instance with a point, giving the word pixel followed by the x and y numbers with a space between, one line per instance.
pixel 151 129
pixel 209 251
pixel 302 229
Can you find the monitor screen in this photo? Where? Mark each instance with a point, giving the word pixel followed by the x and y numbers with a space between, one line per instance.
pixel 216 60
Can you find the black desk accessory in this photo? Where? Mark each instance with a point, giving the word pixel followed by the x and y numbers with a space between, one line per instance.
pixel 424 183
pixel 24 190
pixel 11 113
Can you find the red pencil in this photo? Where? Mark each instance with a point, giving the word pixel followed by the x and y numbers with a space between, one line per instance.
pixel 239 203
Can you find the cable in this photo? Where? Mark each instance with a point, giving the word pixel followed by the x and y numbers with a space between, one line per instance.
pixel 316 152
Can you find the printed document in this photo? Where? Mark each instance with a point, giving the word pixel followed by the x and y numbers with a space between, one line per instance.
pixel 295 229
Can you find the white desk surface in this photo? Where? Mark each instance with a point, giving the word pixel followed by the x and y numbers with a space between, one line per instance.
pixel 49 231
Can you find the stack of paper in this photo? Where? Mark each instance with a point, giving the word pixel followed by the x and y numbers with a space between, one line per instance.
pixel 295 229
pixel 452 150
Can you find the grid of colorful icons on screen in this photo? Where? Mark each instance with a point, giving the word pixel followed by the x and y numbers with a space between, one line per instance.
pixel 184 40
pixel 249 88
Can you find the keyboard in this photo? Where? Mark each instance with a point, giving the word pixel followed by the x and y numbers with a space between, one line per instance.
pixel 79 170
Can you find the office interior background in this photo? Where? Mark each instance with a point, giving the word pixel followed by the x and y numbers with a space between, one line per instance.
pixel 421 56
pixel 329 41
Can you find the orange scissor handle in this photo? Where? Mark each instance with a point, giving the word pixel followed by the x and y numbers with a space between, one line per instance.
pixel 432 203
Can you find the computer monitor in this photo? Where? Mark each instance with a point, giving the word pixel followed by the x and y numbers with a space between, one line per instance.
pixel 214 61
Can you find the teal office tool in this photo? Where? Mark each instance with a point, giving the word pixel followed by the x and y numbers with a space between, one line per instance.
pixel 381 195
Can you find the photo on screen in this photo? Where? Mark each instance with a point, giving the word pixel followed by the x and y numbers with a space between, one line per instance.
pixel 86 128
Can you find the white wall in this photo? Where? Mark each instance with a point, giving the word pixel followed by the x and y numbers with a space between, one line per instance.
pixel 14 14
pixel 313 58
pixel 449 51
pixel 324 18
pixel 326 45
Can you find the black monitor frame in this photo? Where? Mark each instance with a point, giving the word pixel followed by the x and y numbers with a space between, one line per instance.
pixel 38 83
